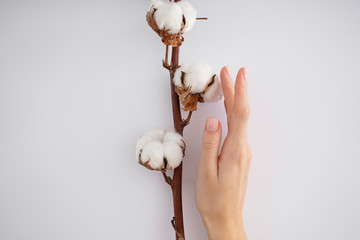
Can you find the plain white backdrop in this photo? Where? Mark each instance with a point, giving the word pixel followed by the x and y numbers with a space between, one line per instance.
pixel 81 80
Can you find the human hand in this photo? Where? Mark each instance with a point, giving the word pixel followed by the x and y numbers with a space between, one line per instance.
pixel 221 180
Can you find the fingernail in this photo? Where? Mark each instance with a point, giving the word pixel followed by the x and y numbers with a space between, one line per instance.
pixel 245 73
pixel 212 124
pixel 228 72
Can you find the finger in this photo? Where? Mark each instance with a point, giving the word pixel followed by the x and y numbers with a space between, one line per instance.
pixel 210 149
pixel 241 110
pixel 228 89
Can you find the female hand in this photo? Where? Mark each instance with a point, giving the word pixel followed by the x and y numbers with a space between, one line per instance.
pixel 221 180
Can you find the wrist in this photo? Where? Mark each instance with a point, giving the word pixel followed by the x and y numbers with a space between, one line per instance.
pixel 225 230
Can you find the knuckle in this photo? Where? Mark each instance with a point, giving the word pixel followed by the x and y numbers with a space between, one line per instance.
pixel 244 113
pixel 244 155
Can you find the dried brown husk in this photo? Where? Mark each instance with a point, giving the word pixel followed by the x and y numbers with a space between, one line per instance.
pixel 174 40
pixel 146 164
pixel 187 99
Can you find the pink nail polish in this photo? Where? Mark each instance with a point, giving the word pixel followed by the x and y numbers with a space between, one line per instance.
pixel 228 72
pixel 212 124
pixel 245 73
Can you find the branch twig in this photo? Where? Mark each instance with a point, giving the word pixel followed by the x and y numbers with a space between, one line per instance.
pixel 187 120
pixel 167 179
pixel 166 63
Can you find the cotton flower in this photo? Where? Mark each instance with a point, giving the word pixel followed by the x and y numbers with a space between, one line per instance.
pixel 159 149
pixel 196 83
pixel 171 19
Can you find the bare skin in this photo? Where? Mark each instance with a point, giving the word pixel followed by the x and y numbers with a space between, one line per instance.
pixel 222 179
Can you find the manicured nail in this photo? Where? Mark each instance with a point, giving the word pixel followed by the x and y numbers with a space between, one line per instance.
pixel 212 124
pixel 228 72
pixel 245 73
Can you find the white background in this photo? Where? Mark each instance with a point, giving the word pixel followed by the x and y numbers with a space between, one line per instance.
pixel 81 80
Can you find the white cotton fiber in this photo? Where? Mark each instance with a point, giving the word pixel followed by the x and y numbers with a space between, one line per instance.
pixel 189 14
pixel 141 141
pixel 177 74
pixel 157 145
pixel 155 4
pixel 175 137
pixel 156 134
pixel 173 154
pixel 169 17
pixel 153 154
pixel 214 93
pixel 197 76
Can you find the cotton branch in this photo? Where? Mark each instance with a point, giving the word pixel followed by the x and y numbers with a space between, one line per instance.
pixel 183 17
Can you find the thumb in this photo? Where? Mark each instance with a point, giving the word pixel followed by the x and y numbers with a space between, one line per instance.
pixel 210 147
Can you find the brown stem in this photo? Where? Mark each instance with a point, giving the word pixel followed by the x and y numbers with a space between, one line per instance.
pixel 176 184
pixel 167 55
pixel 202 18
pixel 179 127
pixel 178 234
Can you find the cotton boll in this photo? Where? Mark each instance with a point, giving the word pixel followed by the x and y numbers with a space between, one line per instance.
pixel 175 137
pixel 196 83
pixel 197 76
pixel 173 154
pixel 189 14
pixel 152 154
pixel 166 19
pixel 213 93
pixel 169 17
pixel 159 149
